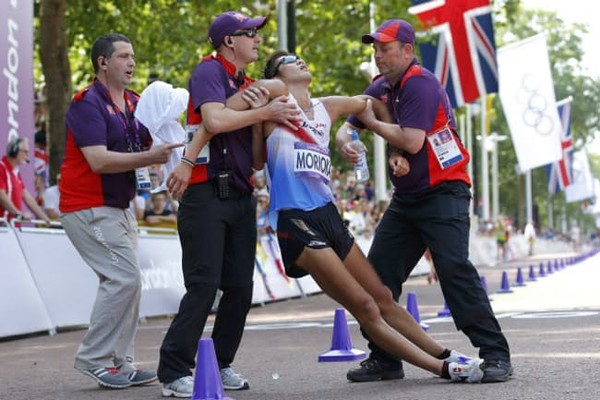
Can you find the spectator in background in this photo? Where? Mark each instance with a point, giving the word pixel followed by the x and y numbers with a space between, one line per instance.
pixel 40 163
pixel 369 191
pixel 13 192
pixel 575 236
pixel 137 205
pixel 159 214
pixel 529 233
pixel 502 236
pixel 52 199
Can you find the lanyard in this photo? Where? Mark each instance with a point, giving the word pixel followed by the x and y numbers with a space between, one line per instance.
pixel 131 129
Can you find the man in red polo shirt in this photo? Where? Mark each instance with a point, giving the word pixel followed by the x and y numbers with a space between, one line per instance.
pixel 106 157
pixel 12 190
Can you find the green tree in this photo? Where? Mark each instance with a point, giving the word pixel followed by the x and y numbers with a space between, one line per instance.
pixel 169 38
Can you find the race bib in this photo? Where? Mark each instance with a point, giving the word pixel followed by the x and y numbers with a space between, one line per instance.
pixel 445 148
pixel 312 161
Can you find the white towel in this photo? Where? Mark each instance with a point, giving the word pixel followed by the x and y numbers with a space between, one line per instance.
pixel 159 108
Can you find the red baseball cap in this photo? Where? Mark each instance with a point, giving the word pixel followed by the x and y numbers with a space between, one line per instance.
pixel 391 30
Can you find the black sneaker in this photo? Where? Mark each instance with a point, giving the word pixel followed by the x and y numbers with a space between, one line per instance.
pixel 496 371
pixel 374 370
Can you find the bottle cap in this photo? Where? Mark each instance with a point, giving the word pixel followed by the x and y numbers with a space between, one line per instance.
pixel 354 134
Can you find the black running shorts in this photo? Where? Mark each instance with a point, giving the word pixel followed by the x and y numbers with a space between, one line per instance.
pixel 317 229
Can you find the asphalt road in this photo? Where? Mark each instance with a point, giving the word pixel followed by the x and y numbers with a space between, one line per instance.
pixel 552 325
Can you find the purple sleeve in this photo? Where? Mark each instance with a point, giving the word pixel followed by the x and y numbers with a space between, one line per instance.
pixel 375 90
pixel 420 100
pixel 206 84
pixel 86 123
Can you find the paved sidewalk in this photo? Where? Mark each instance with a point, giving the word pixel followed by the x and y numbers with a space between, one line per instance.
pixel 552 325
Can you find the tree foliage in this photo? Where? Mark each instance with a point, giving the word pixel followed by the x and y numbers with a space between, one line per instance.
pixel 170 36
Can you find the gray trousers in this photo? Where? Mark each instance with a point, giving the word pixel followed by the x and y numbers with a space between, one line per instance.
pixel 106 239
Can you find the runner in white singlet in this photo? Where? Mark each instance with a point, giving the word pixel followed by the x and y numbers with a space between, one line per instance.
pixel 311 233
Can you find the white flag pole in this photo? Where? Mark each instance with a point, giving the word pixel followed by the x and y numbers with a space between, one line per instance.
pixel 282 24
pixel 485 183
pixel 528 197
pixel 379 156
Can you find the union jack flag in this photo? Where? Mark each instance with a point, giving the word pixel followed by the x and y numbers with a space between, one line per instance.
pixel 463 52
pixel 560 174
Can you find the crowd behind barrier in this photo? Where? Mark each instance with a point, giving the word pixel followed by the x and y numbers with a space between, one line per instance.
pixel 46 285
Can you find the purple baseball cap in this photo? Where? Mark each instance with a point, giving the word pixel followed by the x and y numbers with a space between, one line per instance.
pixel 391 30
pixel 228 22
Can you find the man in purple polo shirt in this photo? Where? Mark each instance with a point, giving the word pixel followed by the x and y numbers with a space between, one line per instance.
pixel 106 155
pixel 430 205
pixel 217 212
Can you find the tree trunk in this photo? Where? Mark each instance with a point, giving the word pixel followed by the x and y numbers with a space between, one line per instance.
pixel 57 73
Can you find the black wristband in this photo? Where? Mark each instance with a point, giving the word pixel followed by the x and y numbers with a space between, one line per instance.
pixel 187 161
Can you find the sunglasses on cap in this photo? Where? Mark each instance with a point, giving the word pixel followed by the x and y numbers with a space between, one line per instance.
pixel 252 32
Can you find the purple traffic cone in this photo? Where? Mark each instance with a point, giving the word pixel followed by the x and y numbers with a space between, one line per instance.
pixel 505 287
pixel 519 281
pixel 207 379
pixel 485 287
pixel 549 267
pixel 445 312
pixel 532 273
pixel 541 270
pixel 341 343
pixel 413 309
pixel 556 265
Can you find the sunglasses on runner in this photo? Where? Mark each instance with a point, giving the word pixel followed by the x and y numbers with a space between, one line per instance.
pixel 246 32
pixel 286 60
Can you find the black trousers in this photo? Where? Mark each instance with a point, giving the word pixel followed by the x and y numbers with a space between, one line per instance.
pixel 438 219
pixel 218 241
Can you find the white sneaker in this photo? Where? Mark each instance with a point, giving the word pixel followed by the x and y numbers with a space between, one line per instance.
pixel 469 372
pixel 455 356
pixel 233 381
pixel 182 387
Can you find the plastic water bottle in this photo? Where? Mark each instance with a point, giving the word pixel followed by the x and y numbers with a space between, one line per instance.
pixel 361 168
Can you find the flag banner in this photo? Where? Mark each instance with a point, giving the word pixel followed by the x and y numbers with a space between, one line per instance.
pixel 582 187
pixel 559 173
pixel 462 53
pixel 16 79
pixel 527 94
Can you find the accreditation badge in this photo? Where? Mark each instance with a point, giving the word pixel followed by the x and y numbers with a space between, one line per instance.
pixel 142 178
pixel 444 146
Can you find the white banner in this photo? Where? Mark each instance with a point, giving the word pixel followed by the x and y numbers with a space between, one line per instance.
pixel 582 186
pixel 16 78
pixel 527 94
pixel 22 310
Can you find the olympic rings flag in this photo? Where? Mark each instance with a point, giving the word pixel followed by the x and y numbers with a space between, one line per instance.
pixel 526 90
